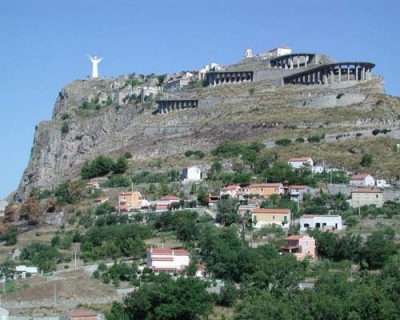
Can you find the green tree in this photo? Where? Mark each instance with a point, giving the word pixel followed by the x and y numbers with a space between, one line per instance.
pixel 366 160
pixel 10 236
pixel 185 298
pixel 121 165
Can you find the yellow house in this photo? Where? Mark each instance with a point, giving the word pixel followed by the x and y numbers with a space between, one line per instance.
pixel 265 190
pixel 265 217
pixel 131 200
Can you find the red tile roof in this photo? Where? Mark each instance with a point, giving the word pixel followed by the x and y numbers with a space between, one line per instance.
pixel 298 187
pixel 268 211
pixel 265 185
pixel 359 176
pixel 367 190
pixel 169 198
pixel 166 251
pixel 82 313
pixel 294 237
pixel 299 159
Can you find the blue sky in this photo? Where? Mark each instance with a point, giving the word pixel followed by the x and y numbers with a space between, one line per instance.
pixel 45 43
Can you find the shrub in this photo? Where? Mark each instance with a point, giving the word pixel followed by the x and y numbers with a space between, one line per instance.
pixel 384 131
pixel 283 142
pixel 358 134
pixel 339 95
pixel 65 116
pixel 65 128
pixel 376 132
pixel 315 138
pixel 300 139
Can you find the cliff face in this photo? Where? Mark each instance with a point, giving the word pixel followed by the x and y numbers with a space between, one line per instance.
pixel 95 116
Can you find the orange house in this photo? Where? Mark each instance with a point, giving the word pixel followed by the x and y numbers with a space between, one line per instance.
pixel 265 190
pixel 131 200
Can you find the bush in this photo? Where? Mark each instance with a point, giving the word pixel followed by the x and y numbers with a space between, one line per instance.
pixel 283 142
pixel 65 116
pixel 315 138
pixel 65 128
pixel 358 134
pixel 300 140
pixel 339 95
pixel 376 132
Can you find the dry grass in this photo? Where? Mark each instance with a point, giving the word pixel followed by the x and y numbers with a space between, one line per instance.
pixel 75 286
pixel 220 312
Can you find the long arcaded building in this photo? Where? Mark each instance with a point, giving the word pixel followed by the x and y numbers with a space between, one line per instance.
pixel 164 106
pixel 332 73
pixel 225 77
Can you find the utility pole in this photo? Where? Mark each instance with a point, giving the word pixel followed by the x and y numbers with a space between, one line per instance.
pixel 75 262
pixel 55 284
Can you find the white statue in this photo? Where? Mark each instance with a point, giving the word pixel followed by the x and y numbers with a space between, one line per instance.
pixel 95 62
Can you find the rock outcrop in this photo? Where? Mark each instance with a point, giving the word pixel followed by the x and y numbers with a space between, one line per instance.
pixel 104 116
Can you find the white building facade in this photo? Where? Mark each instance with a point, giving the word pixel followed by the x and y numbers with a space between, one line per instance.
pixel 324 222
pixel 298 163
pixel 362 180
pixel 167 260
pixel 191 174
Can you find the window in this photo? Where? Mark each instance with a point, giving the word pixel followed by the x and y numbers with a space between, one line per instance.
pixel 376 196
pixel 273 217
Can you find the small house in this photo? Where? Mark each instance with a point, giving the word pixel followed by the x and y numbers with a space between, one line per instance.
pixel 301 246
pixel 323 222
pixel 267 217
pixel 167 260
pixel 191 174
pixel 81 315
pixel 298 163
pixel 366 196
pixel 362 180
pixel 265 190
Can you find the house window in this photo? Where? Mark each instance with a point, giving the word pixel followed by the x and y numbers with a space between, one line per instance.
pixel 273 217
pixel 376 196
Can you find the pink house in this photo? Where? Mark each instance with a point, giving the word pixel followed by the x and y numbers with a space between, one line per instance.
pixel 301 246
pixel 233 191
pixel 164 203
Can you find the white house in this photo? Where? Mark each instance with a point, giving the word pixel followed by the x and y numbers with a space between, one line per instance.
pixel 297 192
pixel 331 222
pixel 382 183
pixel 3 205
pixel 167 260
pixel 362 180
pixel 22 270
pixel 278 51
pixel 298 163
pixel 4 314
pixel 191 174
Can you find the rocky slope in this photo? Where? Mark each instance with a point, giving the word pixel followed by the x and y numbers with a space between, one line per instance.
pixel 100 116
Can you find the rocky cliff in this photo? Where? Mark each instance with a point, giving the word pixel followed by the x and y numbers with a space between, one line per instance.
pixel 105 116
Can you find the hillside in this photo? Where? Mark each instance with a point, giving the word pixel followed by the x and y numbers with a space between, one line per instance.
pixel 104 116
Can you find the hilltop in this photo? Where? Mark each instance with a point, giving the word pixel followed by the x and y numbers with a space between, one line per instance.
pixel 261 98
